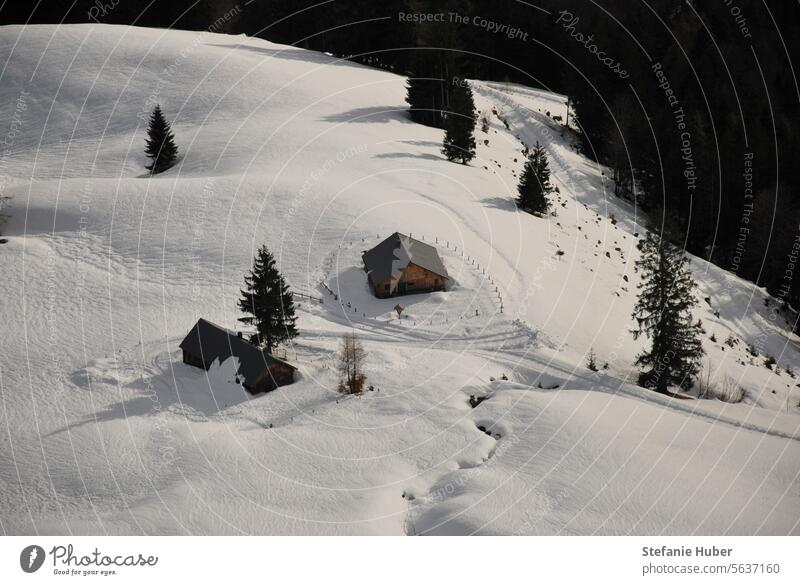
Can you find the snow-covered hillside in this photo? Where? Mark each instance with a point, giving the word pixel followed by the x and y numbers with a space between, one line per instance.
pixel 106 269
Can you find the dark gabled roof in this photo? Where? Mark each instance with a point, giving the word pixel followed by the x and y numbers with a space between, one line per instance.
pixel 210 342
pixel 396 252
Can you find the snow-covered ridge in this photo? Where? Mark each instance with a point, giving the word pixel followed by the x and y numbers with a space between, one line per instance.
pixel 106 269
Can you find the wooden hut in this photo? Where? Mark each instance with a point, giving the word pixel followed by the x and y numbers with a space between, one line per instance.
pixel 258 370
pixel 401 265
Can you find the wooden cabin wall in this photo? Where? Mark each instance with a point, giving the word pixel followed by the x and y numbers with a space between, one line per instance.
pixel 413 279
pixel 417 278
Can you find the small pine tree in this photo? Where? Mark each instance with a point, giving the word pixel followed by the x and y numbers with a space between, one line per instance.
pixel 591 362
pixel 160 147
pixel 459 137
pixel 268 302
pixel 663 312
pixel 534 183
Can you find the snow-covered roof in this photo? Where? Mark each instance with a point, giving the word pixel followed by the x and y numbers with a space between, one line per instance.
pixel 392 255
pixel 211 342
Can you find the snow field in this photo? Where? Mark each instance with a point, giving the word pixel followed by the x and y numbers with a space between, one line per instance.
pixel 106 269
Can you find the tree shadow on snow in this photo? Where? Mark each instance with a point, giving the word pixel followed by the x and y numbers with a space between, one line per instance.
pixel 371 114
pixel 504 203
pixel 409 155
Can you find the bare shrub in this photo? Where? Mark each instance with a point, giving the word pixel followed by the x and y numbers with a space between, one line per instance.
pixel 726 391
pixel 705 389
pixel 729 391
pixel 351 360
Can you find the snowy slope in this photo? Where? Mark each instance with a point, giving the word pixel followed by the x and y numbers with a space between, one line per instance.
pixel 106 269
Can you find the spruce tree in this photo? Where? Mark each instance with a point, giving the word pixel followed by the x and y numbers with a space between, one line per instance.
pixel 663 313
pixel 425 94
pixel 432 66
pixel 268 303
pixel 459 138
pixel 160 147
pixel 422 106
pixel 591 361
pixel 534 183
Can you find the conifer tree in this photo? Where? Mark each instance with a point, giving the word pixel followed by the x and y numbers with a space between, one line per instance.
pixel 663 313
pixel 268 303
pixel 160 147
pixel 425 93
pixel 432 66
pixel 591 361
pixel 459 137
pixel 534 183
pixel 422 102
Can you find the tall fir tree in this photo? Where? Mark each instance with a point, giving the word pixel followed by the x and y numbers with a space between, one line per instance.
pixel 268 303
pixel 161 148
pixel 663 313
pixel 459 137
pixel 534 183
pixel 425 94
pixel 433 64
